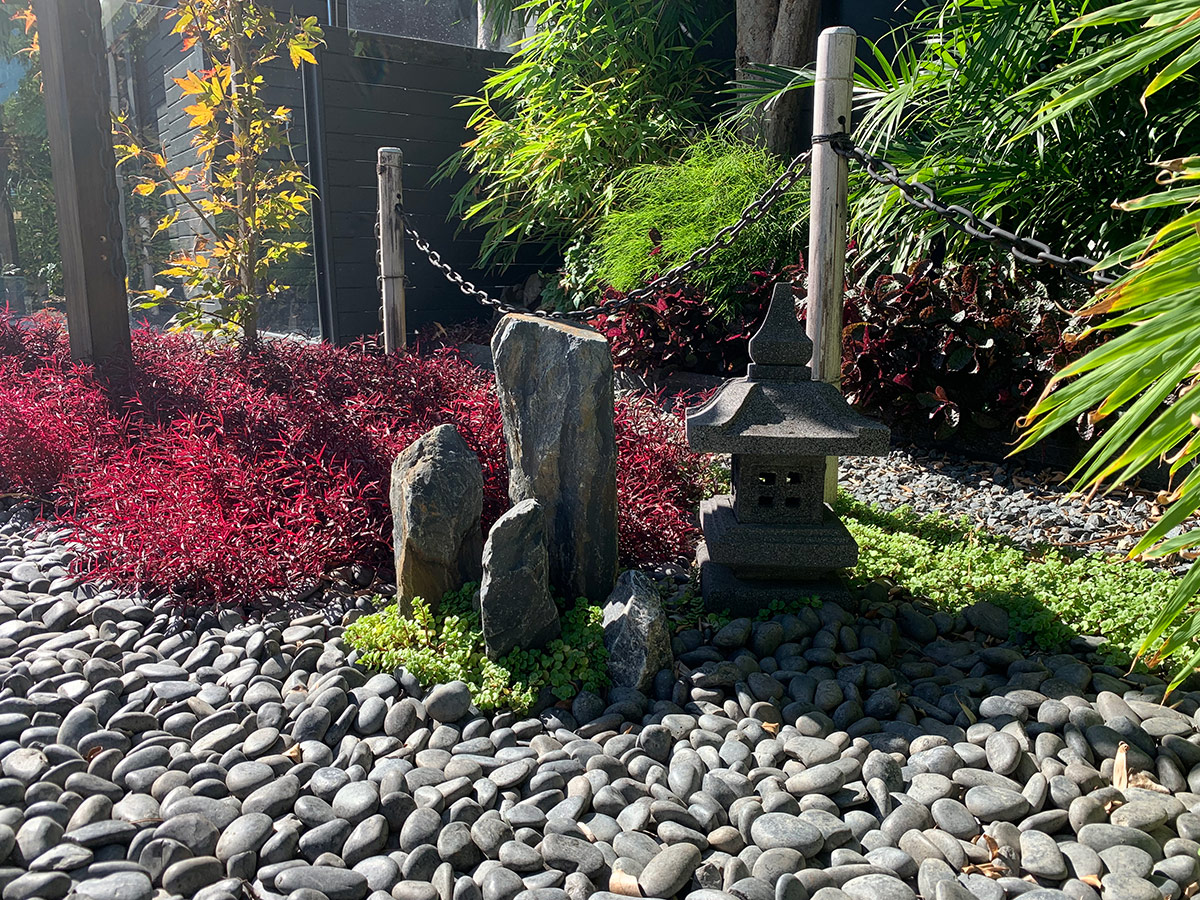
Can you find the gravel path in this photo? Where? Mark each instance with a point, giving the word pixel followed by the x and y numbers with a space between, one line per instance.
pixel 817 755
pixel 1029 507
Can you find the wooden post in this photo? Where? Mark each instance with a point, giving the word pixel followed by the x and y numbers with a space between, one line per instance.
pixel 832 104
pixel 79 123
pixel 391 248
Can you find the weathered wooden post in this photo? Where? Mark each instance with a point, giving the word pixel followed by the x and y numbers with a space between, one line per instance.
pixel 391 248
pixel 79 123
pixel 832 105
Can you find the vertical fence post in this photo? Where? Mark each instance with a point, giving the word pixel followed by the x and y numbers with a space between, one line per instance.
pixel 79 124
pixel 828 213
pixel 391 248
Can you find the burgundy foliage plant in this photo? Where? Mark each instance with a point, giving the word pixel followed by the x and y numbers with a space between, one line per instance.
pixel 215 476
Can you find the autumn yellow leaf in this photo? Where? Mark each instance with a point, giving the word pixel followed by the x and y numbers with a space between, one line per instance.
pixel 192 84
pixel 27 16
pixel 201 114
pixel 145 189
pixel 299 55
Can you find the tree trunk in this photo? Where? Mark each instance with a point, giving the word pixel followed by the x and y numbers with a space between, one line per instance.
pixel 793 44
pixel 781 32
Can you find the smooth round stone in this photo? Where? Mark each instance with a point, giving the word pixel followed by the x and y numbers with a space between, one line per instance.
pixel 192 830
pixel 274 799
pixel 1003 753
pixel 117 886
pixel 63 858
pixel 448 702
pixel 501 884
pixel 1100 837
pixel 421 827
pixel 245 834
pixel 247 777
pixel 356 801
pixel 36 836
pixel 1139 814
pixel 40 885
pixel 954 818
pixel 878 887
pixel 929 787
pixel 1127 861
pixel 825 778
pixel 100 834
pixel 414 890
pixel 188 876
pixel 996 804
pixel 1118 886
pixel 1041 857
pixel 334 883
pixel 520 857
pixel 895 859
pixel 772 830
pixel 570 854
pixel 666 874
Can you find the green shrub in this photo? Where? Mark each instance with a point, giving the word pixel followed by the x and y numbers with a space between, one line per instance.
pixel 663 212
pixel 600 86
pixel 447 645
pixel 1049 595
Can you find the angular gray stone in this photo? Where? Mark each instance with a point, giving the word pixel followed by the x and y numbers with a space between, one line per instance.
pixel 637 634
pixel 555 383
pixel 515 606
pixel 436 499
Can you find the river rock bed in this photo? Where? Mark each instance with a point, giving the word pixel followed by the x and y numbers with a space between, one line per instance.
pixel 818 755
pixel 1029 507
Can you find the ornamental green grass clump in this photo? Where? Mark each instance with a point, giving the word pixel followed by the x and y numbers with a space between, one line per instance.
pixel 447 645
pixel 666 211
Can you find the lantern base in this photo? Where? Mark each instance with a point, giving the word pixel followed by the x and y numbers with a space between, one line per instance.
pixel 746 597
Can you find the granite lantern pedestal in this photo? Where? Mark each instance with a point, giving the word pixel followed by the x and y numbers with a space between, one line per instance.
pixel 774 537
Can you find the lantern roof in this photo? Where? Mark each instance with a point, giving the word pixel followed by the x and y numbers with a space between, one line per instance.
pixel 777 409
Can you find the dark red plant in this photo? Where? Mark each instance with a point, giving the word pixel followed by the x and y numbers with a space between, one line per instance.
pixel 969 347
pixel 221 477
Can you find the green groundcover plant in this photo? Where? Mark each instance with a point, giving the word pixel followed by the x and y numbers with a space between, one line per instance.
pixel 446 644
pixel 1050 595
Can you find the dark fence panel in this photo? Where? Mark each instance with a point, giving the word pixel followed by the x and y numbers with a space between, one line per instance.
pixel 373 91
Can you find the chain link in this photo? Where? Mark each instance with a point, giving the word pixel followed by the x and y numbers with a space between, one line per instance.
pixel 917 194
pixel 752 214
pixel 922 196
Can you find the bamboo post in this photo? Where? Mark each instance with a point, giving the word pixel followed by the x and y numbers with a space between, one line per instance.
pixel 391 248
pixel 78 120
pixel 828 213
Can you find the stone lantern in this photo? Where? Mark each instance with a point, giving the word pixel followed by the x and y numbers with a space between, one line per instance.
pixel 775 538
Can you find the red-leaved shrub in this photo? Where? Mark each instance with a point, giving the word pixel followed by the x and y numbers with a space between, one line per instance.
pixel 217 476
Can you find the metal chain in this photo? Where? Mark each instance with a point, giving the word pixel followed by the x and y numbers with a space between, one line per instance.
pixel 753 213
pixel 922 196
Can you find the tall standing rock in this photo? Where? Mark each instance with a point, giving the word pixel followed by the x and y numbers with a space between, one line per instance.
pixel 555 383
pixel 515 606
pixel 437 499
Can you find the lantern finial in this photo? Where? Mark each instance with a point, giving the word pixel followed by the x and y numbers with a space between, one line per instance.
pixel 781 349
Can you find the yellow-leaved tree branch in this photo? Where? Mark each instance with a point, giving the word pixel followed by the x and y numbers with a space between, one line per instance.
pixel 247 197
